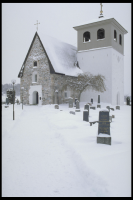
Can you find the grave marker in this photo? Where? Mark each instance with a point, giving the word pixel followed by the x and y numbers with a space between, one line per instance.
pixel 98 106
pixel 56 106
pixel 72 112
pixel 77 104
pixel 70 102
pixel 86 115
pixel 104 128
pixel 92 100
pixel 98 98
pixel 117 107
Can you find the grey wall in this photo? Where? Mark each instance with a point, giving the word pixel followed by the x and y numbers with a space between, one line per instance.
pixel 107 41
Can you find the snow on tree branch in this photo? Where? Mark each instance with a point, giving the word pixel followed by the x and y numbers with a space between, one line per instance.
pixel 86 81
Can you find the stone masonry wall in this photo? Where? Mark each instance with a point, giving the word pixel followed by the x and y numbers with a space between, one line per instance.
pixel 49 82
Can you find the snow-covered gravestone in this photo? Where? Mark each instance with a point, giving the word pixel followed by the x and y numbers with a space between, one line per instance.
pixel 98 98
pixel 56 106
pixel 85 115
pixel 128 101
pixel 70 102
pixel 77 104
pixel 75 101
pixel 104 128
pixel 7 101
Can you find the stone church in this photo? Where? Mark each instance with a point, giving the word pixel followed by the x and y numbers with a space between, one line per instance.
pixel 100 50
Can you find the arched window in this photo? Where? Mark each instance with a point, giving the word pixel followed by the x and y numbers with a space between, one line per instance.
pixel 115 35
pixel 35 63
pixel 86 36
pixel 34 77
pixel 100 34
pixel 120 39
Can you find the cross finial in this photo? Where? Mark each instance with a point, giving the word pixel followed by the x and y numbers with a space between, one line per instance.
pixel 101 15
pixel 37 25
pixel 101 8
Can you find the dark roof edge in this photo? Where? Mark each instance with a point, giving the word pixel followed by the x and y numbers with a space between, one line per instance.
pixel 27 53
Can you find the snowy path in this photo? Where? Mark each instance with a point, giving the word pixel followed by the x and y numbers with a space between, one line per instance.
pixel 40 158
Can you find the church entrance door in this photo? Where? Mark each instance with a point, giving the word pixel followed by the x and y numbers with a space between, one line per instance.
pixel 35 98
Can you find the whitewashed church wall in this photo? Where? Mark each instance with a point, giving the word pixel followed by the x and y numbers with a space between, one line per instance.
pixel 97 61
pixel 117 77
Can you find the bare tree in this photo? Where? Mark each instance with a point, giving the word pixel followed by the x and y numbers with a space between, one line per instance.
pixel 86 81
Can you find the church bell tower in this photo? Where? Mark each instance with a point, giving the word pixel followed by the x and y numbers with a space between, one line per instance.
pixel 100 50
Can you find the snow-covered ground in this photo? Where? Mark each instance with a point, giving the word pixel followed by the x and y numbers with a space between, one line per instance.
pixel 49 152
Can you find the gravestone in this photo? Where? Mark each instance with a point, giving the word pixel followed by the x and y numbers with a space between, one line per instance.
pixel 70 102
pixel 104 128
pixel 91 100
pixel 77 110
pixel 86 107
pixel 86 115
pixel 98 98
pixel 93 107
pixel 117 107
pixel 113 116
pixel 128 101
pixel 77 104
pixel 56 106
pixel 75 101
pixel 7 101
pixel 72 112
pixel 98 106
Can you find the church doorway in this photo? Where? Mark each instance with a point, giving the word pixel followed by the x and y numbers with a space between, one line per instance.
pixel 35 98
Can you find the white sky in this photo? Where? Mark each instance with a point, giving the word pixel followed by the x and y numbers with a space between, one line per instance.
pixel 57 20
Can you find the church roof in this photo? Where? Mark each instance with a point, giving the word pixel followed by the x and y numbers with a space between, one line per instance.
pixel 100 20
pixel 62 56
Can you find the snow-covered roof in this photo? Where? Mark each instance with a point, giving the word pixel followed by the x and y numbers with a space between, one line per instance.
pixel 62 55
pixel 104 18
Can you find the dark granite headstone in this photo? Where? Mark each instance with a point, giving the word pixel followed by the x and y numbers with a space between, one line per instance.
pixel 7 101
pixel 85 116
pixel 77 104
pixel 70 102
pixel 104 128
pixel 128 101
pixel 72 112
pixel 104 124
pixel 98 98
pixel 93 107
pixel 98 106
pixel 92 101
pixel 86 107
pixel 75 100
pixel 56 106
pixel 117 107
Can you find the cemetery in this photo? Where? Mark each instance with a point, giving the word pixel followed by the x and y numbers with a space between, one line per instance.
pixel 95 138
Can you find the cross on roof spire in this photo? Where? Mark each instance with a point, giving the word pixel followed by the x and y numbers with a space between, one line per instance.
pixel 37 25
pixel 101 15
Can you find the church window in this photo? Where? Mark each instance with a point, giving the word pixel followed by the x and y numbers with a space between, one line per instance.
pixel 86 36
pixel 35 77
pixel 101 34
pixel 35 63
pixel 115 35
pixel 120 39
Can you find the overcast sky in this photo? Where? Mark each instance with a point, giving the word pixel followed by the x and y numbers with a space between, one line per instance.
pixel 57 20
